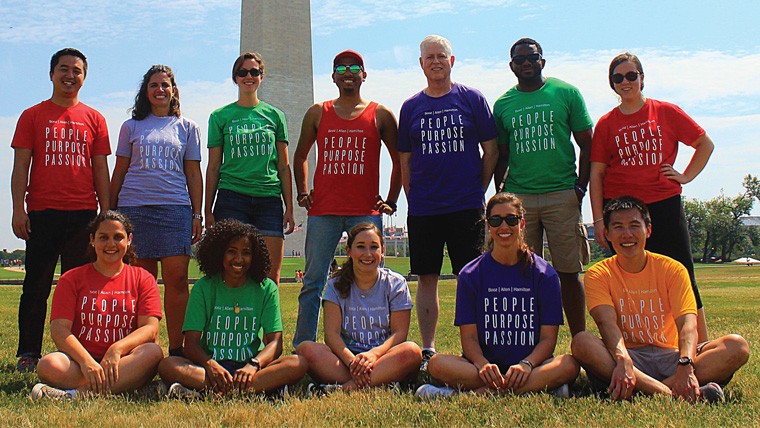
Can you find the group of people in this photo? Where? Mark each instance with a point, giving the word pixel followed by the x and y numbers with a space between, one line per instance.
pixel 445 149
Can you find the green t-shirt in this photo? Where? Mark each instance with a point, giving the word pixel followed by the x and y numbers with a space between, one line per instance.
pixel 230 319
pixel 247 136
pixel 537 126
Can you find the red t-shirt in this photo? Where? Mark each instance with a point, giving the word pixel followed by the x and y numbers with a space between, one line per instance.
pixel 633 146
pixel 104 309
pixel 347 178
pixel 63 141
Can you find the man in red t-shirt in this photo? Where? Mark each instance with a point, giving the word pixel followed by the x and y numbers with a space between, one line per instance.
pixel 348 131
pixel 60 176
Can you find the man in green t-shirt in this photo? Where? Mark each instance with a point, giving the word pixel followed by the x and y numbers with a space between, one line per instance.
pixel 535 120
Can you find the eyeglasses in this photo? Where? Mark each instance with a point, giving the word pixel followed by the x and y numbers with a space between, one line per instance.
pixel 496 220
pixel 254 72
pixel 631 76
pixel 353 68
pixel 519 59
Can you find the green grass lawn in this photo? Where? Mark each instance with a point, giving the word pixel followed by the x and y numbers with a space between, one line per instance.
pixel 731 295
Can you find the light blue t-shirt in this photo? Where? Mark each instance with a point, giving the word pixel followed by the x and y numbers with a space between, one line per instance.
pixel 157 148
pixel 366 315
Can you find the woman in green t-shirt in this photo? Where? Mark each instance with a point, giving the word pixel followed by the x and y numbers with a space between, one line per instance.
pixel 226 312
pixel 248 176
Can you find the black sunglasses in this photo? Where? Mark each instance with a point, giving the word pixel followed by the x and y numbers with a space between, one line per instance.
pixel 353 68
pixel 511 219
pixel 255 72
pixel 519 59
pixel 631 76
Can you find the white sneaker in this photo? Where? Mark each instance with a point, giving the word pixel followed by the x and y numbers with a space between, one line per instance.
pixel 177 390
pixel 41 391
pixel 428 392
pixel 562 392
pixel 319 390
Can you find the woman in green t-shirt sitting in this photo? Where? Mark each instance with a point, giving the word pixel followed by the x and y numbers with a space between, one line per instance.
pixel 225 314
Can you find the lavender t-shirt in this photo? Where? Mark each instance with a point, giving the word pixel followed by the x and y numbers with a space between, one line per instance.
pixel 157 148
pixel 366 315
pixel 508 306
pixel 444 135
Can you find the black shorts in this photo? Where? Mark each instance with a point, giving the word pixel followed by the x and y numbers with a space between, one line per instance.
pixel 462 232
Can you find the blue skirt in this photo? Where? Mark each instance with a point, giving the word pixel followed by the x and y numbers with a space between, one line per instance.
pixel 160 231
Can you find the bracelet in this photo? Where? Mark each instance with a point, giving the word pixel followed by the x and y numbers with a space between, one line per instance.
pixel 198 217
pixel 527 363
pixel 598 220
pixel 580 189
pixel 301 195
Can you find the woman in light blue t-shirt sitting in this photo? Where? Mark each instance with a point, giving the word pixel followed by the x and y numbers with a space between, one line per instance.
pixel 367 310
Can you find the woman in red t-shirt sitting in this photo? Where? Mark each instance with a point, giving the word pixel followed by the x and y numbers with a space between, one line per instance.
pixel 634 152
pixel 104 320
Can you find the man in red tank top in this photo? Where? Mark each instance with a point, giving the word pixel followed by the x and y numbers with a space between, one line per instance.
pixel 347 131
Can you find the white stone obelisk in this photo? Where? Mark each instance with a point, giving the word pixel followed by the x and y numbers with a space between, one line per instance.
pixel 280 31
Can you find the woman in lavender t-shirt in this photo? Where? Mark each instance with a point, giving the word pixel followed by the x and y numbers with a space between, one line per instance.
pixel 157 184
pixel 367 311
pixel 508 309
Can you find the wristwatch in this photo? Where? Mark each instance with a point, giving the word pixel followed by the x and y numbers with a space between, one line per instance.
pixel 255 363
pixel 685 361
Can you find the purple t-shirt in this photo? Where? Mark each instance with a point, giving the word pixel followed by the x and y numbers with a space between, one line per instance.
pixel 366 315
pixel 158 148
pixel 444 135
pixel 508 306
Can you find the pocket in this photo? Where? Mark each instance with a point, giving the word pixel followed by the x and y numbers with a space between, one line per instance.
pixel 583 245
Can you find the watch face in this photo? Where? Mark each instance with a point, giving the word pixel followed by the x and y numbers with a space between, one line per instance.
pixel 684 361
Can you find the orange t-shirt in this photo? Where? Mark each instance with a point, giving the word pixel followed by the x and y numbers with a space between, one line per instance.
pixel 646 303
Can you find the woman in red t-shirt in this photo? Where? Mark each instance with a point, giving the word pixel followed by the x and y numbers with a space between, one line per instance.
pixel 633 153
pixel 103 319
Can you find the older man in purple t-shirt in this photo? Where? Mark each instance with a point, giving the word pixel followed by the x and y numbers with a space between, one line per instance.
pixel 441 130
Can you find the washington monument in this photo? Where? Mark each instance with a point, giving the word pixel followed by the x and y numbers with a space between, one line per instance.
pixel 280 30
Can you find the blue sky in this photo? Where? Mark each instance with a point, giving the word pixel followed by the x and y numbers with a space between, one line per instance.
pixel 696 54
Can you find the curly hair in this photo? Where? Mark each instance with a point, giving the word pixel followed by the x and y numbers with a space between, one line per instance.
pixel 509 198
pixel 142 109
pixel 130 256
pixel 210 254
pixel 345 275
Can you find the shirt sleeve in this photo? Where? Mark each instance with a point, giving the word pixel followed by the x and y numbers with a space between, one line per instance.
pixel 680 294
pixel 149 299
pixel 599 152
pixel 404 127
pixel 597 287
pixel 271 318
pixel 331 293
pixel 215 130
pixel 196 312
pixel 64 301
pixel 101 144
pixel 550 299
pixel 686 129
pixel 282 129
pixel 124 145
pixel 193 148
pixel 23 138
pixel 400 297
pixel 484 119
pixel 466 301
pixel 579 117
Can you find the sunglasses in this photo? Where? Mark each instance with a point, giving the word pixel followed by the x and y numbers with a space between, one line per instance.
pixel 354 69
pixel 631 76
pixel 254 72
pixel 519 59
pixel 496 220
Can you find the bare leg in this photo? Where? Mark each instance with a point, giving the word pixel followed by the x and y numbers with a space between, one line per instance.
pixel 176 293
pixel 573 301
pixel 182 370
pixel 283 371
pixel 594 356
pixel 702 333
pixel 455 371
pixel 324 366
pixel 276 246
pixel 135 369
pixel 719 359
pixel 427 308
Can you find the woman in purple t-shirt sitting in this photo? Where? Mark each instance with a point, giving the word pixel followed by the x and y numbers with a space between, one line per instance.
pixel 508 310
pixel 367 311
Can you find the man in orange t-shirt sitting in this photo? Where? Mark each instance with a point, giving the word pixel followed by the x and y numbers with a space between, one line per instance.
pixel 645 309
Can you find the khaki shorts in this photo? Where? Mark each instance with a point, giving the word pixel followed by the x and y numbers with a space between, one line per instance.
pixel 559 215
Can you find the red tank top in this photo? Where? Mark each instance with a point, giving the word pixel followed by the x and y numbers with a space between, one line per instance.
pixel 347 178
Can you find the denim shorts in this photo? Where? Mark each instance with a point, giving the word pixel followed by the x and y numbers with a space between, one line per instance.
pixel 264 212
pixel 160 230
